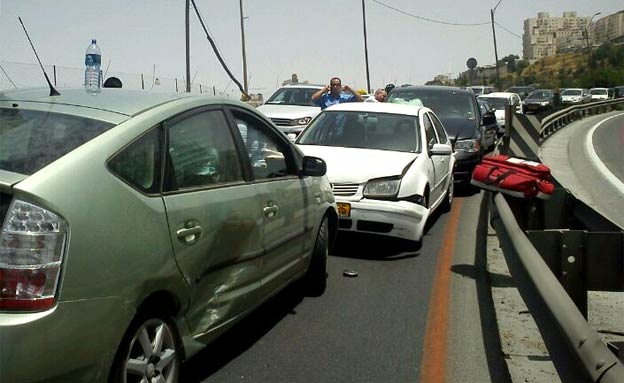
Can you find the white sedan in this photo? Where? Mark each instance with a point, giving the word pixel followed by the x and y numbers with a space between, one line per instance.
pixel 390 165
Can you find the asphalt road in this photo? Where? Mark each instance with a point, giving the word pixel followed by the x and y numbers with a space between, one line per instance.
pixel 586 158
pixel 408 316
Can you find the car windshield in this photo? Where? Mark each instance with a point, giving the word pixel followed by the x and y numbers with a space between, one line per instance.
pixel 498 103
pixel 293 96
pixel 598 91
pixel 540 94
pixel 384 131
pixel 571 92
pixel 30 140
pixel 446 105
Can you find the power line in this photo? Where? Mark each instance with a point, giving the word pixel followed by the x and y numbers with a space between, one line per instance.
pixel 507 30
pixel 427 19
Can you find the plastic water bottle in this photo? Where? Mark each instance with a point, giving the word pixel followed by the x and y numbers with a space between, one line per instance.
pixel 93 61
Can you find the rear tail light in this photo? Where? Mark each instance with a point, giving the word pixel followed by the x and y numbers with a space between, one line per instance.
pixel 32 243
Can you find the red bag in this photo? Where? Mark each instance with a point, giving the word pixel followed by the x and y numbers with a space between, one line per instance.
pixel 514 176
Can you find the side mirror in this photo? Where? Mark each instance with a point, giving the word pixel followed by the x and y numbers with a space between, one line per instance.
pixel 441 150
pixel 313 166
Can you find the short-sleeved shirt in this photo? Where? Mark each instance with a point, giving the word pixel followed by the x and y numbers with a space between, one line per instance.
pixel 328 100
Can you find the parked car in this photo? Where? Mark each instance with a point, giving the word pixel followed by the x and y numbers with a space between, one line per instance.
pixel 541 100
pixel 481 89
pixel 522 91
pixel 390 165
pixel 575 96
pixel 457 108
pixel 291 108
pixel 499 101
pixel 137 226
pixel 599 94
pixel 618 91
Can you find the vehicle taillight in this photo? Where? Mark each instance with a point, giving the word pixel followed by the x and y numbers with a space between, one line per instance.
pixel 32 243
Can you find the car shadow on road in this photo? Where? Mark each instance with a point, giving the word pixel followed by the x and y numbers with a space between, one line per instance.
pixel 242 336
pixel 373 247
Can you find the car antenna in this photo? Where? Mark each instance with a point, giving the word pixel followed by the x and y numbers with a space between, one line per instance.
pixel 53 92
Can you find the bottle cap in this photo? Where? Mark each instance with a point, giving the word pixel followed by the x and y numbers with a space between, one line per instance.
pixel 93 41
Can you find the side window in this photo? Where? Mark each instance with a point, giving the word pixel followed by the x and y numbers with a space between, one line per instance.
pixel 201 152
pixel 269 156
pixel 439 128
pixel 139 163
pixel 429 131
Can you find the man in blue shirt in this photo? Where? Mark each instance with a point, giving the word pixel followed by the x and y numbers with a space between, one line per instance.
pixel 335 93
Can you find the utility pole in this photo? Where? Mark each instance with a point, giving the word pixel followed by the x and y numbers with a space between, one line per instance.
pixel 368 87
pixel 188 49
pixel 494 35
pixel 242 22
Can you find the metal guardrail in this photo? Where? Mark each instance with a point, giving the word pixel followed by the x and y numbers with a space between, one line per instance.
pixel 572 257
pixel 600 364
pixel 558 120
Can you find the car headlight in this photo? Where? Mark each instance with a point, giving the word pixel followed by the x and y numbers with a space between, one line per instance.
pixel 382 188
pixel 301 121
pixel 544 103
pixel 471 145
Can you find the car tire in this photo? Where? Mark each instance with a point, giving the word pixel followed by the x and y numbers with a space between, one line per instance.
pixel 133 363
pixel 315 279
pixel 447 203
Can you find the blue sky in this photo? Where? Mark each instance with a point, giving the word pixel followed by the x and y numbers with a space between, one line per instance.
pixel 315 39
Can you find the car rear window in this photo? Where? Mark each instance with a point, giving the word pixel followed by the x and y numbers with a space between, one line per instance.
pixel 456 105
pixel 30 139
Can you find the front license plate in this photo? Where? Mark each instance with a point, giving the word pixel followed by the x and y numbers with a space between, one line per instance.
pixel 344 209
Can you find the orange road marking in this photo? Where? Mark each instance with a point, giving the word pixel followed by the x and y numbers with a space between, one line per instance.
pixel 433 366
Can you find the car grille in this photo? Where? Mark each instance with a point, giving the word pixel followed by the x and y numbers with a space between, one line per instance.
pixel 281 121
pixel 345 190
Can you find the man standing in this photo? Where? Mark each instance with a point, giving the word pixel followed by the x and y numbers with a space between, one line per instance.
pixel 335 93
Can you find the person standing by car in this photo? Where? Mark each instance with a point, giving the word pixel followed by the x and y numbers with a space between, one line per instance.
pixel 335 93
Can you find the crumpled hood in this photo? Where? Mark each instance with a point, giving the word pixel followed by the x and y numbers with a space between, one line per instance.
pixel 465 127
pixel 353 165
pixel 288 111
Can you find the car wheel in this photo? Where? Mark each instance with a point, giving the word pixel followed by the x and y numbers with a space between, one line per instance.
pixel 149 352
pixel 448 197
pixel 315 279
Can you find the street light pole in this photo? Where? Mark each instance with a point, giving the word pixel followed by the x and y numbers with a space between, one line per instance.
pixel 242 22
pixel 589 50
pixel 494 35
pixel 368 87
pixel 188 48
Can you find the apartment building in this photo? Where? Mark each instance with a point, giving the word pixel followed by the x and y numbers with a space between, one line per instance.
pixel 609 28
pixel 546 36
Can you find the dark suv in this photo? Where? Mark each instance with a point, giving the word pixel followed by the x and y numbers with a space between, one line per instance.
pixel 462 118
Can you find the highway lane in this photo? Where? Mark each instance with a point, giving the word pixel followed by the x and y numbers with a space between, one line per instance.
pixel 608 143
pixel 408 316
pixel 586 158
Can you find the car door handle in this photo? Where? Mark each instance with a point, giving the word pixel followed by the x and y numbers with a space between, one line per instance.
pixel 270 211
pixel 189 235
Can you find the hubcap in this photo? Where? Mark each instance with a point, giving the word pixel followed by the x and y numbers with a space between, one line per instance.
pixel 152 354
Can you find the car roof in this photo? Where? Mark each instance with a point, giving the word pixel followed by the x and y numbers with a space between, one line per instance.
pixel 498 94
pixel 121 101
pixel 433 88
pixel 601 88
pixel 379 107
pixel 312 86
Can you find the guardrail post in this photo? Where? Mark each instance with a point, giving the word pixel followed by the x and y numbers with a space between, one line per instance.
pixel 572 265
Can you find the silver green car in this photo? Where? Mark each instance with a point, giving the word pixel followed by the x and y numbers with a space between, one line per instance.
pixel 137 227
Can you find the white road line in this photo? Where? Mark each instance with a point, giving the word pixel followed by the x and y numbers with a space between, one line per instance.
pixel 589 146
